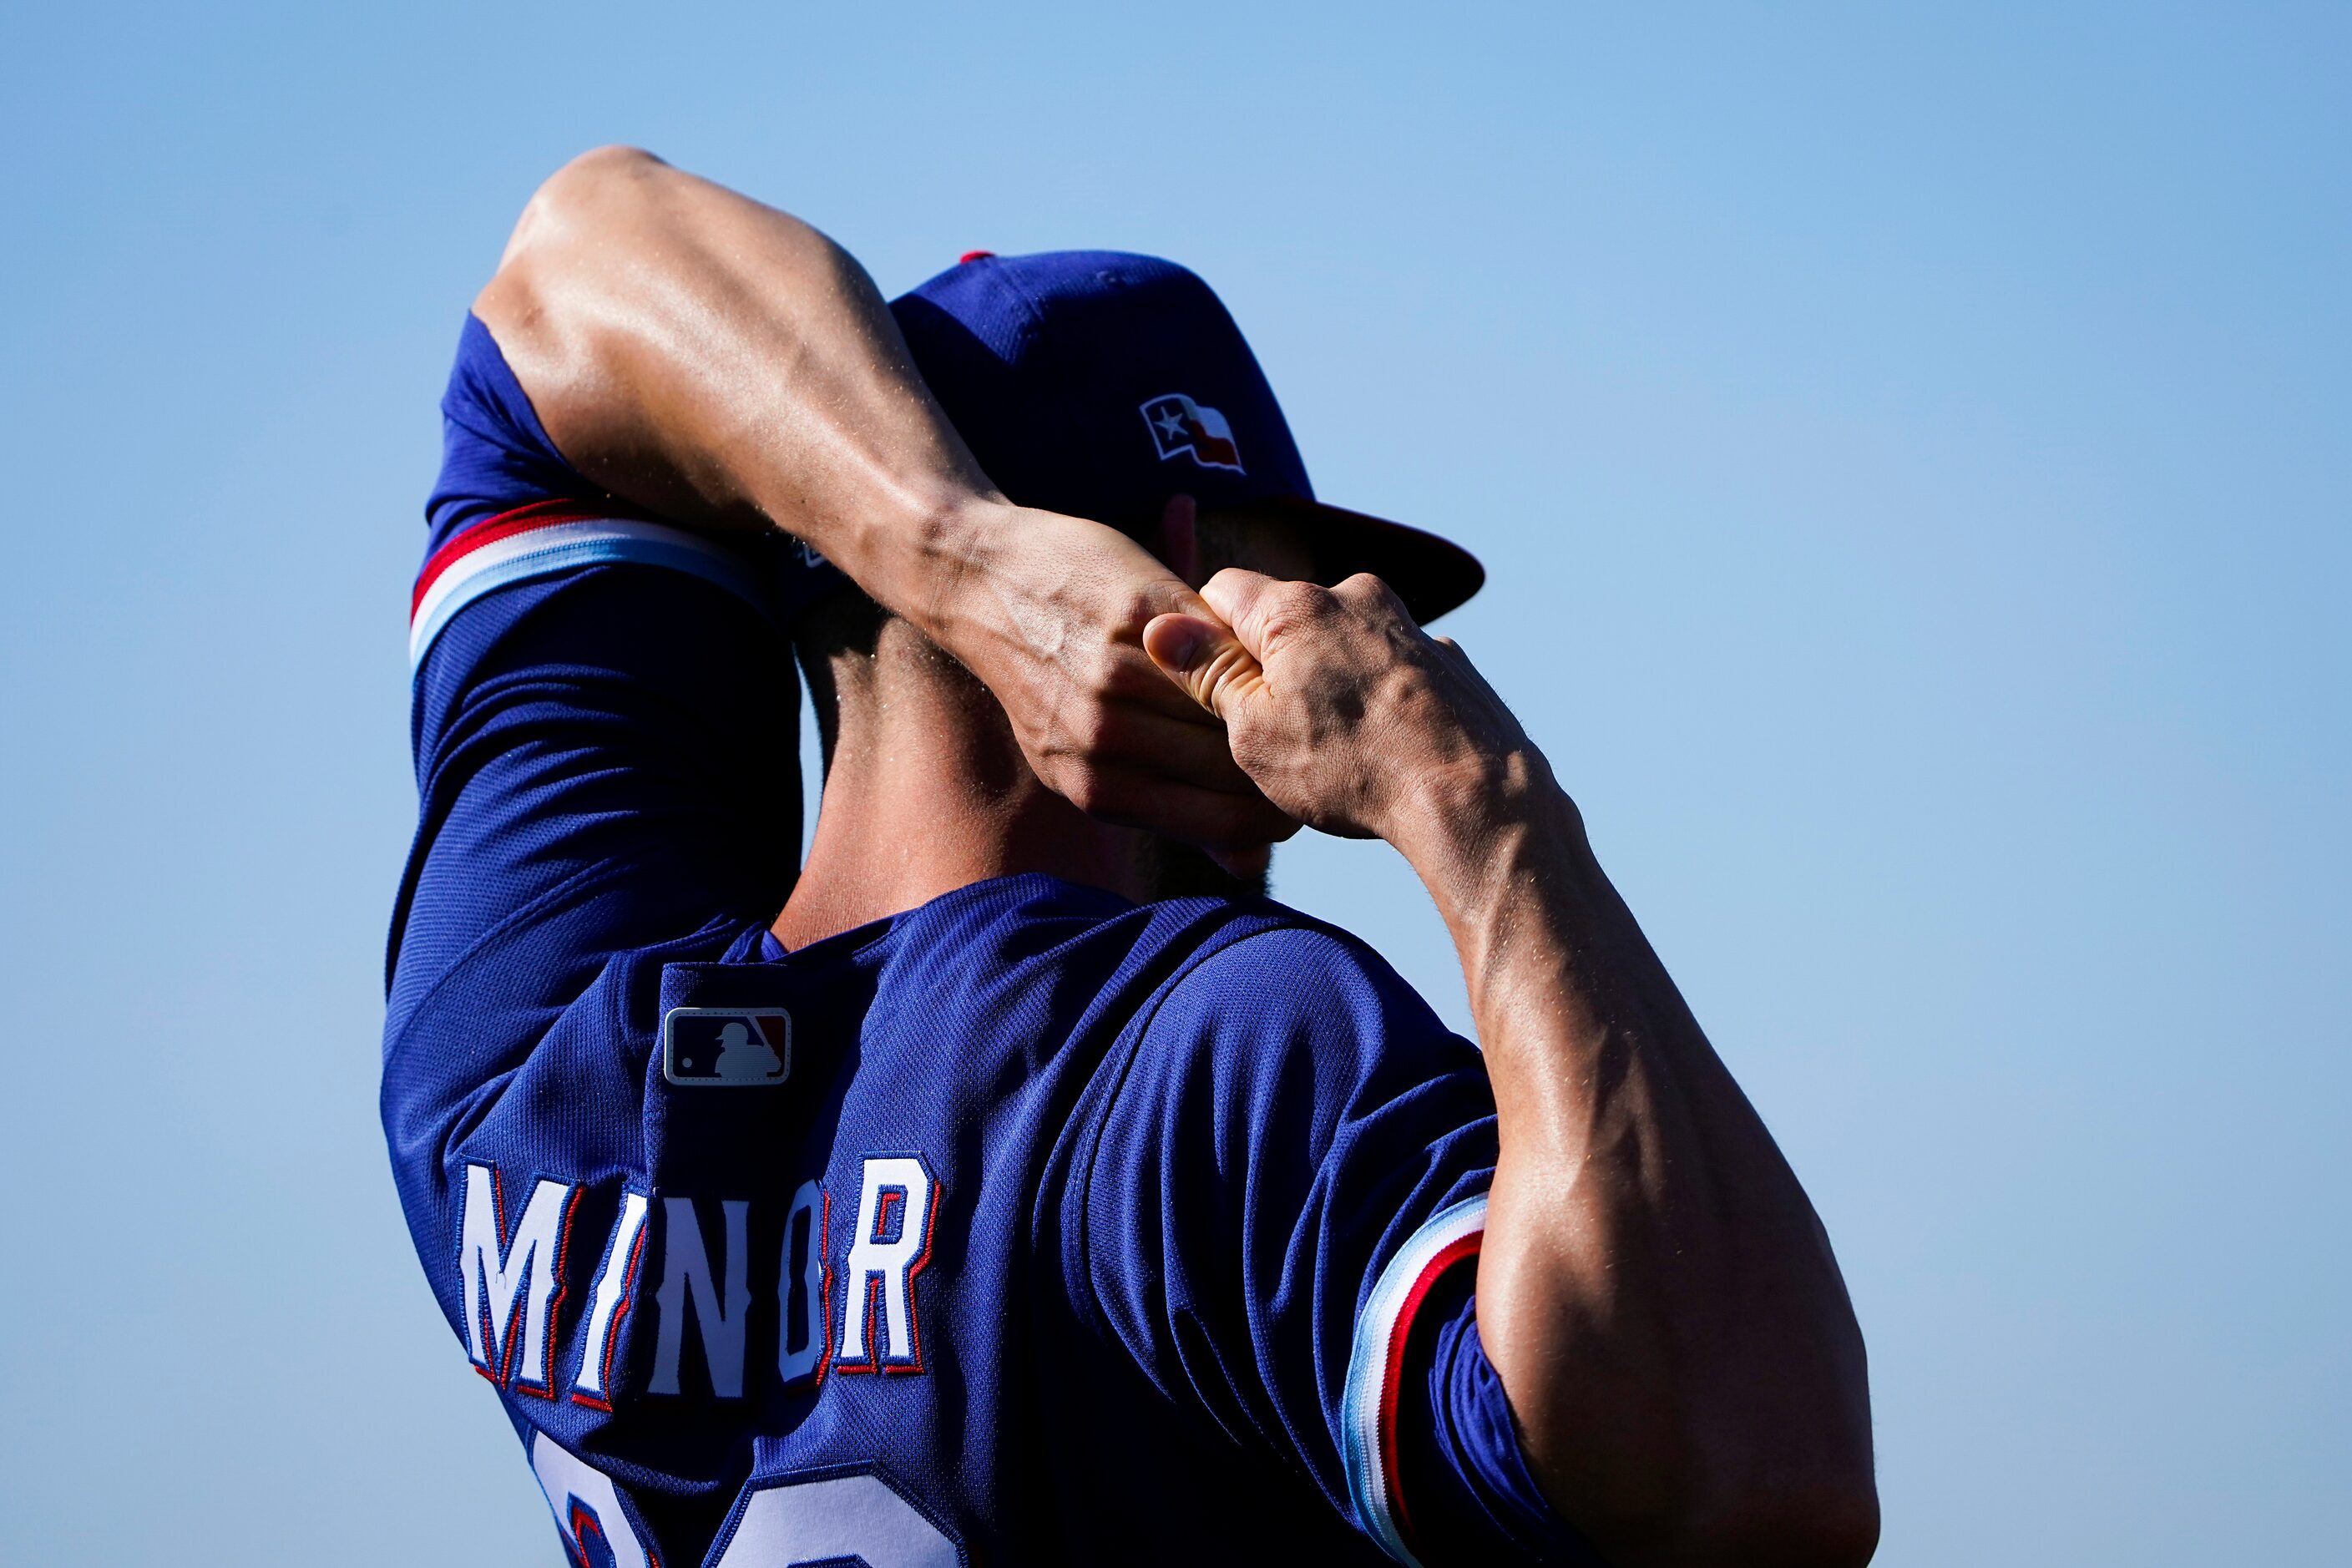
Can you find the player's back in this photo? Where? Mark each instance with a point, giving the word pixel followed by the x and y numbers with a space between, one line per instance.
pixel 1028 1227
pixel 987 1268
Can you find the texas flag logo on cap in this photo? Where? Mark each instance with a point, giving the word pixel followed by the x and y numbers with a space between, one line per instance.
pixel 1180 425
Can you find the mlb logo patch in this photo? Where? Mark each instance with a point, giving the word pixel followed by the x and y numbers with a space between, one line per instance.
pixel 726 1047
pixel 1179 425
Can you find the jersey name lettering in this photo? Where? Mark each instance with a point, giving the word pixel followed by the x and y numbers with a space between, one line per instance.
pixel 896 1204
pixel 857 1310
pixel 616 1284
pixel 502 1275
pixel 685 1277
pixel 804 1304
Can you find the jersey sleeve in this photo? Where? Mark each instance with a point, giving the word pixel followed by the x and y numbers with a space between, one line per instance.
pixel 508 508
pixel 605 724
pixel 597 698
pixel 495 456
pixel 1280 1226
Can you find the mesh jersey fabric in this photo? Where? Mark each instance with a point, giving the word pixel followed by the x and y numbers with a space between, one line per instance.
pixel 1196 1183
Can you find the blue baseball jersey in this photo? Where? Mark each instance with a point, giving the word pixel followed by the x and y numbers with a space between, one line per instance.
pixel 1032 1225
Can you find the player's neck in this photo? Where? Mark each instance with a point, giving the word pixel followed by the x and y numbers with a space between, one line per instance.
pixel 927 793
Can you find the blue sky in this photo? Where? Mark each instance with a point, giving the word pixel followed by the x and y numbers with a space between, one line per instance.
pixel 1911 450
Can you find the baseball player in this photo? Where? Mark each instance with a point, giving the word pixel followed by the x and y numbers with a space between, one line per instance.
pixel 1094 1208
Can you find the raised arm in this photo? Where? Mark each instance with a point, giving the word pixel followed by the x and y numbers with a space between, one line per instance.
pixel 724 363
pixel 1655 1291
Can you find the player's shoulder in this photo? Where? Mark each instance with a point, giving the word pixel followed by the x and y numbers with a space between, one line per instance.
pixel 1032 928
pixel 1035 926
pixel 1273 975
pixel 1292 959
pixel 1211 984
pixel 1277 1023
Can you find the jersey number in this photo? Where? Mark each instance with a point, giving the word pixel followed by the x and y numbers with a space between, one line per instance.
pixel 836 1521
pixel 842 1520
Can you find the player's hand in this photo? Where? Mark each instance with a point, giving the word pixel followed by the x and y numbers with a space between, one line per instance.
pixel 1049 612
pixel 1347 715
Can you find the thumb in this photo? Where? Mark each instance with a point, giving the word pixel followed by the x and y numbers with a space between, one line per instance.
pixel 1204 657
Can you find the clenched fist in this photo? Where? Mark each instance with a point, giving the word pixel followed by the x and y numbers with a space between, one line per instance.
pixel 1345 713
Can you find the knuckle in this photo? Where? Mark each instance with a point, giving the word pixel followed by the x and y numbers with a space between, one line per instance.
pixel 1229 592
pixel 1306 598
pixel 1291 608
pixel 1364 591
pixel 1258 752
pixel 1137 605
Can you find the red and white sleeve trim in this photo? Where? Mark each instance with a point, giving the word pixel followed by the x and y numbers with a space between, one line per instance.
pixel 1368 1411
pixel 540 540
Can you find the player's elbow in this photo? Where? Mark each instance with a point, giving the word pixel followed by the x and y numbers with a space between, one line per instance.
pixel 585 202
pixel 552 304
pixel 596 179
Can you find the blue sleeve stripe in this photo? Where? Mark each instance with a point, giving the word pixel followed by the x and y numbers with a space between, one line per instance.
pixel 459 578
pixel 1367 1409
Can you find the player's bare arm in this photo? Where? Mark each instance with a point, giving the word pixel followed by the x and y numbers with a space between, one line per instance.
pixel 1655 1291
pixel 724 363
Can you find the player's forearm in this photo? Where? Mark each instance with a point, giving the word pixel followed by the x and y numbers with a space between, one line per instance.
pixel 1655 1289
pixel 720 362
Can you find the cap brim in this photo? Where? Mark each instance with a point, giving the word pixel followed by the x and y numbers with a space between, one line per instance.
pixel 1431 575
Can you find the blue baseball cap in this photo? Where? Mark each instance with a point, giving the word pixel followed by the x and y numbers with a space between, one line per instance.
pixel 1099 384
